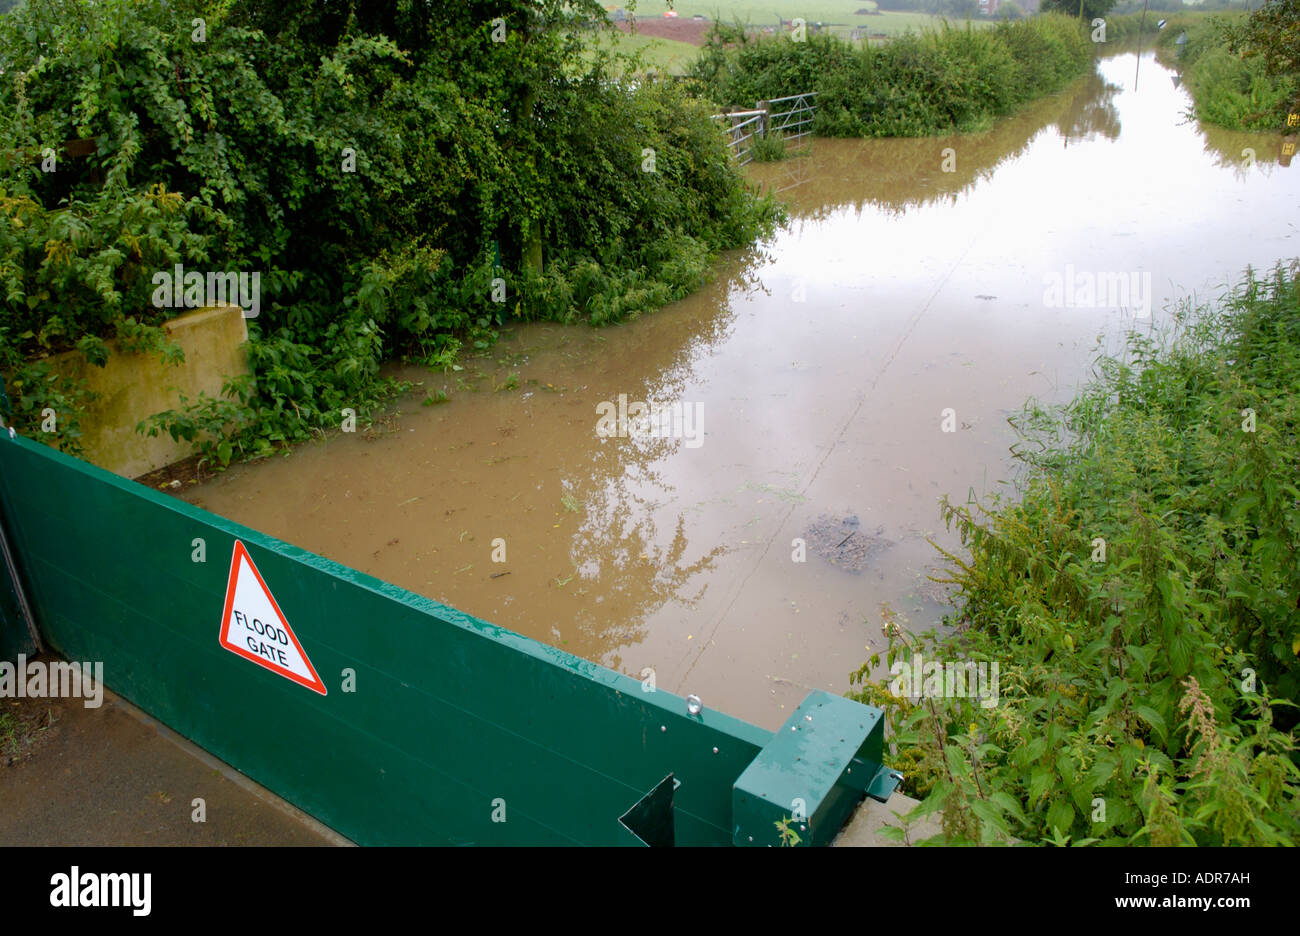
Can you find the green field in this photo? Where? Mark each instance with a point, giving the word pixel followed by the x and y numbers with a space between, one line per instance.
pixel 771 12
pixel 764 12
pixel 896 22
pixel 665 55
pixel 674 57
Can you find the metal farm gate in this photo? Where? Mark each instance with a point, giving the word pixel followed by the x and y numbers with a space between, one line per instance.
pixel 789 117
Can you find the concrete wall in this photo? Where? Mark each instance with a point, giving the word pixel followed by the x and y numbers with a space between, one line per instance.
pixel 864 829
pixel 133 387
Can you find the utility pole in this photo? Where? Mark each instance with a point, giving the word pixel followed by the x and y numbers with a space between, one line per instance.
pixel 1138 65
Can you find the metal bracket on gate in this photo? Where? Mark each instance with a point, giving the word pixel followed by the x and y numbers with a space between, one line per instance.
pixel 651 819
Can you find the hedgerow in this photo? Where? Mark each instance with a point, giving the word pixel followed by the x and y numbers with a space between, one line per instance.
pixel 1243 72
pixel 939 81
pixel 391 171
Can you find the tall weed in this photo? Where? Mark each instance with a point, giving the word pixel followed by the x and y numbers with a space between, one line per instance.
pixel 1142 599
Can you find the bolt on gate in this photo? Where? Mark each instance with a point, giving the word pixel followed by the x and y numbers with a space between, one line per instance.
pixel 390 717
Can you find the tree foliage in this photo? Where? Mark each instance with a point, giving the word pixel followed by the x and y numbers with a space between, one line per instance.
pixel 379 165
pixel 1087 10
pixel 1271 35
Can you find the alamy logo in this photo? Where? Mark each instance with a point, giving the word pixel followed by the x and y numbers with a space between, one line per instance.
pixel 938 680
pixel 102 890
pixel 1107 290
pixel 651 421
pixel 177 289
pixel 57 680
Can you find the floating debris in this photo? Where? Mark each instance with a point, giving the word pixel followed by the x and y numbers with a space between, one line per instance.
pixel 842 541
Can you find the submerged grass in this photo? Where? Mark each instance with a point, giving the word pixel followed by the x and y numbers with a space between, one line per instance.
pixel 1141 598
pixel 769 148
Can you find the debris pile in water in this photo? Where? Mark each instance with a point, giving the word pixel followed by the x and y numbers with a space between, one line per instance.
pixel 842 541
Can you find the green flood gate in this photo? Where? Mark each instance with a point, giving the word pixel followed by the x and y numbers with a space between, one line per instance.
pixel 391 718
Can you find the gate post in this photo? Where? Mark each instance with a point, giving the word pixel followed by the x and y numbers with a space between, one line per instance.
pixel 18 632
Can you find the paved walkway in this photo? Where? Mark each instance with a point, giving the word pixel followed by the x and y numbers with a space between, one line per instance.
pixel 864 829
pixel 113 776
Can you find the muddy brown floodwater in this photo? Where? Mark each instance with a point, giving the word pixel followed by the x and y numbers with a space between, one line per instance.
pixel 822 362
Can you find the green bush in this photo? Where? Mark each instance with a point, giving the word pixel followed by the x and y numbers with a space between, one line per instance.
pixel 1230 92
pixel 1231 85
pixel 953 78
pixel 1140 599
pixel 379 166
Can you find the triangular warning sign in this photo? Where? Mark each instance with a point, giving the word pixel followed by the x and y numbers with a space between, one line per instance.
pixel 253 625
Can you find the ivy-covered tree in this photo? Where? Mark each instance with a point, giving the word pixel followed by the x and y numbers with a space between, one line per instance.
pixel 379 165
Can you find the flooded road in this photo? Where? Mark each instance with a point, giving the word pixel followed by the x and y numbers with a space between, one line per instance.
pixel 821 366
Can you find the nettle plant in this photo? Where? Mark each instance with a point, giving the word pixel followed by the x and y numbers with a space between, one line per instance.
pixel 1142 596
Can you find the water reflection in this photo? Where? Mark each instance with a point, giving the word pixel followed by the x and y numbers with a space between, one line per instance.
pixel 896 175
pixel 1090 112
pixel 1247 152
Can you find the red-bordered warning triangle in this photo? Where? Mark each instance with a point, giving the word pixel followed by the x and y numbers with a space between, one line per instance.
pixel 253 625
